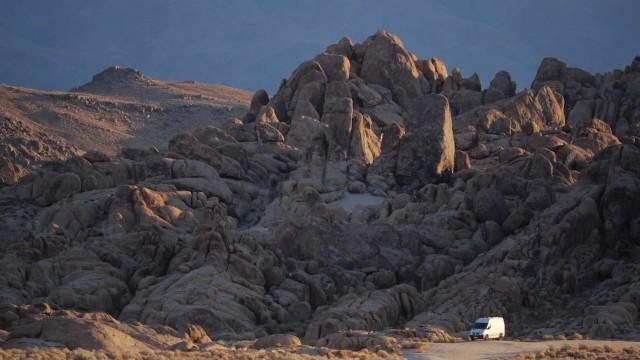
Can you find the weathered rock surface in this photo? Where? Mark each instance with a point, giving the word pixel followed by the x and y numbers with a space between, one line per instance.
pixel 372 191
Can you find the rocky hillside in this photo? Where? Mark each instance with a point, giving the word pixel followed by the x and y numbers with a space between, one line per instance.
pixel 373 192
pixel 120 107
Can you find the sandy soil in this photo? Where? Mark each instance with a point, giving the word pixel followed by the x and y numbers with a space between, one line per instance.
pixel 471 350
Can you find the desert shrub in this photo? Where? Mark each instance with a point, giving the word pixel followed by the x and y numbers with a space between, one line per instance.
pixel 584 351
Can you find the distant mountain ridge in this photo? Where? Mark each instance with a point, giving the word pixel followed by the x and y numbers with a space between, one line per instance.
pixel 119 107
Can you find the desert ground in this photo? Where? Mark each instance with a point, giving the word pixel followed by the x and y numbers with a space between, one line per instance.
pixel 484 350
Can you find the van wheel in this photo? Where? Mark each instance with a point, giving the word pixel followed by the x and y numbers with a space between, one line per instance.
pixel 471 338
pixel 500 337
pixel 486 337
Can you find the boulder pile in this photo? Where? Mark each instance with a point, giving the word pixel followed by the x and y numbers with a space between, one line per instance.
pixel 372 191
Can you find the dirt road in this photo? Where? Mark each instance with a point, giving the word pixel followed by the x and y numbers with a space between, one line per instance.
pixel 499 349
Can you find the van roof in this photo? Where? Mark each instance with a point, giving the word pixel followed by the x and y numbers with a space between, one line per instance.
pixel 487 319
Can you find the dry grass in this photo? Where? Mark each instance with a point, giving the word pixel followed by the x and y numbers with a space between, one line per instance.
pixel 415 344
pixel 219 352
pixel 584 351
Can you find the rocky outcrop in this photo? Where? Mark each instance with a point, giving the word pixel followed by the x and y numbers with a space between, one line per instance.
pixel 435 71
pixel 374 311
pixel 114 76
pixel 520 284
pixel 385 62
pixel 68 334
pixel 526 112
pixel 372 191
pixel 610 97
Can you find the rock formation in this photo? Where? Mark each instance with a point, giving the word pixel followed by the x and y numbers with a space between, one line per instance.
pixel 372 191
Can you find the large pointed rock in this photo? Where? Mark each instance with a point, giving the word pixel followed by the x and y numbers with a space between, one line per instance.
pixel 551 72
pixel 552 104
pixel 365 145
pixel 337 114
pixel 387 63
pixel 427 152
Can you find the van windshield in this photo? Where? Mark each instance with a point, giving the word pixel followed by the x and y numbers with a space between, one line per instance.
pixel 480 325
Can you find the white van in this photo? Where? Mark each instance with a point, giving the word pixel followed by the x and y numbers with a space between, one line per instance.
pixel 488 328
